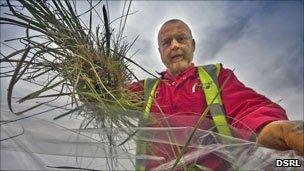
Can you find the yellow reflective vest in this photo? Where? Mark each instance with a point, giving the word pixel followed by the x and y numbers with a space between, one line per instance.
pixel 208 75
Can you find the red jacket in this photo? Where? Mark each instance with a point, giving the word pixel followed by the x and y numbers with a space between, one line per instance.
pixel 183 96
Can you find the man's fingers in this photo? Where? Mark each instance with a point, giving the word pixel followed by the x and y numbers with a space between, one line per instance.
pixel 271 136
pixel 295 136
pixel 283 135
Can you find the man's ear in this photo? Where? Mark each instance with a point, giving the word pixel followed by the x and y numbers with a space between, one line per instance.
pixel 193 44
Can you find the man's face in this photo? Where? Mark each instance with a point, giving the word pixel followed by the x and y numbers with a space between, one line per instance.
pixel 176 47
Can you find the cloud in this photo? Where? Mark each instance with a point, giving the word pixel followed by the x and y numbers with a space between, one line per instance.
pixel 269 55
pixel 218 37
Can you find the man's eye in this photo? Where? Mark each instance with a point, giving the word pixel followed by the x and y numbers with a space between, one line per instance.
pixel 166 42
pixel 181 38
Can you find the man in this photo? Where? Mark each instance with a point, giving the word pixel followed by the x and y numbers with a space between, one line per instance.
pixel 179 92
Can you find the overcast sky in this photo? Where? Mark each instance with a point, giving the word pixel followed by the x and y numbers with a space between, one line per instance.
pixel 263 41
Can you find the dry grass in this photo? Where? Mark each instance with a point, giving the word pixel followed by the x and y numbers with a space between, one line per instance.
pixel 87 65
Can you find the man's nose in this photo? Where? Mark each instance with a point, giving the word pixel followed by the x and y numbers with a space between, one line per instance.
pixel 174 44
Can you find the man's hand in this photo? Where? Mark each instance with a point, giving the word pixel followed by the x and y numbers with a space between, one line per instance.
pixel 283 135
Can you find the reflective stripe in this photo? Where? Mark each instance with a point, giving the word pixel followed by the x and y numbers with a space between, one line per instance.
pixel 209 78
pixel 140 167
pixel 150 97
pixel 221 124
pixel 209 87
pixel 213 71
pixel 141 146
pixel 216 109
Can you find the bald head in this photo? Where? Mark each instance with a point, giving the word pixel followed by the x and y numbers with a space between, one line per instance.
pixel 173 21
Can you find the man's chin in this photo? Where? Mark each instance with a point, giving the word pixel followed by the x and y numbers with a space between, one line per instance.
pixel 178 67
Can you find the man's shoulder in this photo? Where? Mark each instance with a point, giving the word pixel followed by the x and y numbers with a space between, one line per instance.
pixel 135 86
pixel 210 65
pixel 217 65
pixel 222 71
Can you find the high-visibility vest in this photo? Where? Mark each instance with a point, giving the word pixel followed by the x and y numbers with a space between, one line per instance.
pixel 208 75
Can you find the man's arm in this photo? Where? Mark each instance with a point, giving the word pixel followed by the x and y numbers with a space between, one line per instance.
pixel 136 91
pixel 246 108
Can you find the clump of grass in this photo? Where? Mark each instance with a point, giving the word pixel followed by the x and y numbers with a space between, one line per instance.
pixel 87 65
